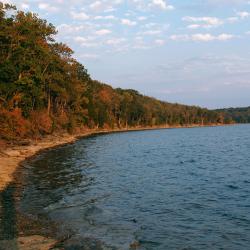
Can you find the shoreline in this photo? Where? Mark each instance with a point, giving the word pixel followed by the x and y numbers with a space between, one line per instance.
pixel 13 156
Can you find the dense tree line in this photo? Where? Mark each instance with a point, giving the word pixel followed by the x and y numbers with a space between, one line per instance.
pixel 43 89
pixel 238 115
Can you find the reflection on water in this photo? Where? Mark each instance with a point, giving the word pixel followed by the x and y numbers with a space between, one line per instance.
pixel 165 189
pixel 8 220
pixel 8 229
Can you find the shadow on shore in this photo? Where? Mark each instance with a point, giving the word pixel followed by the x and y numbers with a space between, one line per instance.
pixel 8 219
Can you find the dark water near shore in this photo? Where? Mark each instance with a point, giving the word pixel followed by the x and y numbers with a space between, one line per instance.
pixel 166 189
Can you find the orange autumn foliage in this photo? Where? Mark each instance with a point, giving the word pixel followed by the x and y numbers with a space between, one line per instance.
pixel 13 124
pixel 41 122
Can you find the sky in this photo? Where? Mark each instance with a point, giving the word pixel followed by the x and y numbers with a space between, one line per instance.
pixel 194 52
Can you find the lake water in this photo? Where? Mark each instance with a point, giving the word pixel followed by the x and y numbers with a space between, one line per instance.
pixel 165 189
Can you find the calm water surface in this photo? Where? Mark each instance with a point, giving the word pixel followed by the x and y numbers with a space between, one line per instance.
pixel 166 189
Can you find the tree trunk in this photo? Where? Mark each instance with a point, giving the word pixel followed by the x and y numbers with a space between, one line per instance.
pixel 49 103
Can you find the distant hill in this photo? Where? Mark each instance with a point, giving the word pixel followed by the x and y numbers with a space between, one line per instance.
pixel 238 115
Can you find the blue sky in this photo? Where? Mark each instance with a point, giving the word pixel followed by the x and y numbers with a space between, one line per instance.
pixel 187 51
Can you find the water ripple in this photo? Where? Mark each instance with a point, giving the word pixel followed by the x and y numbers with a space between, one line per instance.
pixel 166 189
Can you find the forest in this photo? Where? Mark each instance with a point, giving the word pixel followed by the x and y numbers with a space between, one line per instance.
pixel 238 115
pixel 44 90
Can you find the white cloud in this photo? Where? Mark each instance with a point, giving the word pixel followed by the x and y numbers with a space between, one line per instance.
pixel 159 42
pixel 47 7
pixel 243 14
pixel 96 5
pixel 208 37
pixel 111 17
pixel 202 37
pixel 109 9
pixel 43 6
pixel 7 1
pixel 79 15
pixel 25 6
pixel 227 2
pixel 104 5
pixel 115 41
pixel 194 26
pixel 151 32
pixel 142 18
pixel 89 56
pixel 179 37
pixel 139 43
pixel 68 29
pixel 212 22
pixel 86 42
pixel 233 19
pixel 80 39
pixel 128 22
pixel 225 37
pixel 150 25
pixel 103 32
pixel 202 22
pixel 161 4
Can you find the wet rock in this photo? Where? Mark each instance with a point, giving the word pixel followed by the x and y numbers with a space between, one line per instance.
pixel 81 243
pixel 135 245
pixel 35 242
